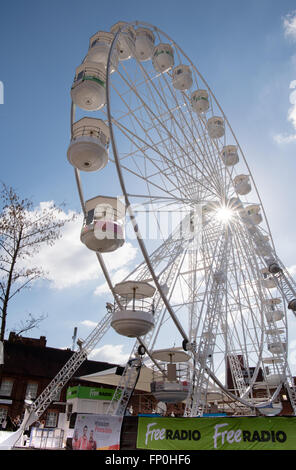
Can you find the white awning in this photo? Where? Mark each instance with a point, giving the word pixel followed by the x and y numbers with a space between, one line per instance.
pixel 109 377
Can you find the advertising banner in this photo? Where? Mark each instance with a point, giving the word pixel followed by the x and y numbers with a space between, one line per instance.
pixel 242 433
pixel 90 393
pixel 96 432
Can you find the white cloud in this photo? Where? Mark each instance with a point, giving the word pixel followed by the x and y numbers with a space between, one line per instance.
pixel 119 266
pixel 291 117
pixel 67 262
pixel 118 276
pixel 112 353
pixel 284 138
pixel 88 323
pixel 289 24
pixel 292 270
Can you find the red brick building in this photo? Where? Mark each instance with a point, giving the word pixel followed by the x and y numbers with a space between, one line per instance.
pixel 29 366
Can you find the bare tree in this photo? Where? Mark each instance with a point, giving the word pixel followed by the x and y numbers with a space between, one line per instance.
pixel 31 322
pixel 23 231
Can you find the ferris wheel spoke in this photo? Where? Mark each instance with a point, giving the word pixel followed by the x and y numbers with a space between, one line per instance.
pixel 207 163
pixel 179 170
pixel 196 138
pixel 200 138
pixel 259 347
pixel 179 106
pixel 207 340
pixel 152 146
pixel 239 346
pixel 244 287
pixel 175 140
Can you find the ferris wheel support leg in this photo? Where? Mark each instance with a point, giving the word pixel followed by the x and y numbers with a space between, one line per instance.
pixel 287 286
pixel 168 276
pixel 129 380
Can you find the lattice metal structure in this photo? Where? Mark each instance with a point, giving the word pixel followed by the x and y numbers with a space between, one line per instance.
pixel 179 164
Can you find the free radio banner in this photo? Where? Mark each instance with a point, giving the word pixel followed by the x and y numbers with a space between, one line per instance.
pixel 244 433
pixel 96 432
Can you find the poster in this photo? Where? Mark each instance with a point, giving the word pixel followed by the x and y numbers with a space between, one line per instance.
pixel 91 393
pixel 97 432
pixel 242 433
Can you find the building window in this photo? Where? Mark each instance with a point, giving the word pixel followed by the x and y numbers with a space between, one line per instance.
pixel 31 392
pixel 57 395
pixel 6 387
pixel 3 417
pixel 51 419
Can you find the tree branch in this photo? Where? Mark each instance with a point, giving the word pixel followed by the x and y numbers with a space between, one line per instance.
pixel 23 232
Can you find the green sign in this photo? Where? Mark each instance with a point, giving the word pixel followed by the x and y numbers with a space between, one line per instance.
pixel 243 433
pixel 90 393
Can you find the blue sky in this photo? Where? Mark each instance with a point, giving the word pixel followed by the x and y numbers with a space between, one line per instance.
pixel 245 50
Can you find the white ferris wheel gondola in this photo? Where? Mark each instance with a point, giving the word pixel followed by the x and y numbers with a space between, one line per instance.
pixel 163 58
pixel 182 77
pixel 134 315
pixel 103 226
pixel 216 128
pixel 229 154
pixel 268 280
pixel 126 41
pixel 274 312
pixel 88 90
pixel 144 44
pixel 99 46
pixel 200 101
pixel 88 150
pixel 242 184
pixel 174 386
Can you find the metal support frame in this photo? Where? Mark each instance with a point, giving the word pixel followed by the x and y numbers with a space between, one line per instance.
pixel 65 374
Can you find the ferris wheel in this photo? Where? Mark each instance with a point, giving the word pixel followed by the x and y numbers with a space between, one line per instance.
pixel 208 315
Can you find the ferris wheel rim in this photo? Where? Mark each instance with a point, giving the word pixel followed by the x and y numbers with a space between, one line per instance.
pixel 126 195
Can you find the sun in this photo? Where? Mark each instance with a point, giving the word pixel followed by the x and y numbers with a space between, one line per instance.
pixel 224 214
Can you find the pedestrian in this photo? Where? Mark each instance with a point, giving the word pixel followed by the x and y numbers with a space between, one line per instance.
pixel 83 439
pixel 92 445
pixel 76 441
pixel 14 424
pixel 9 426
